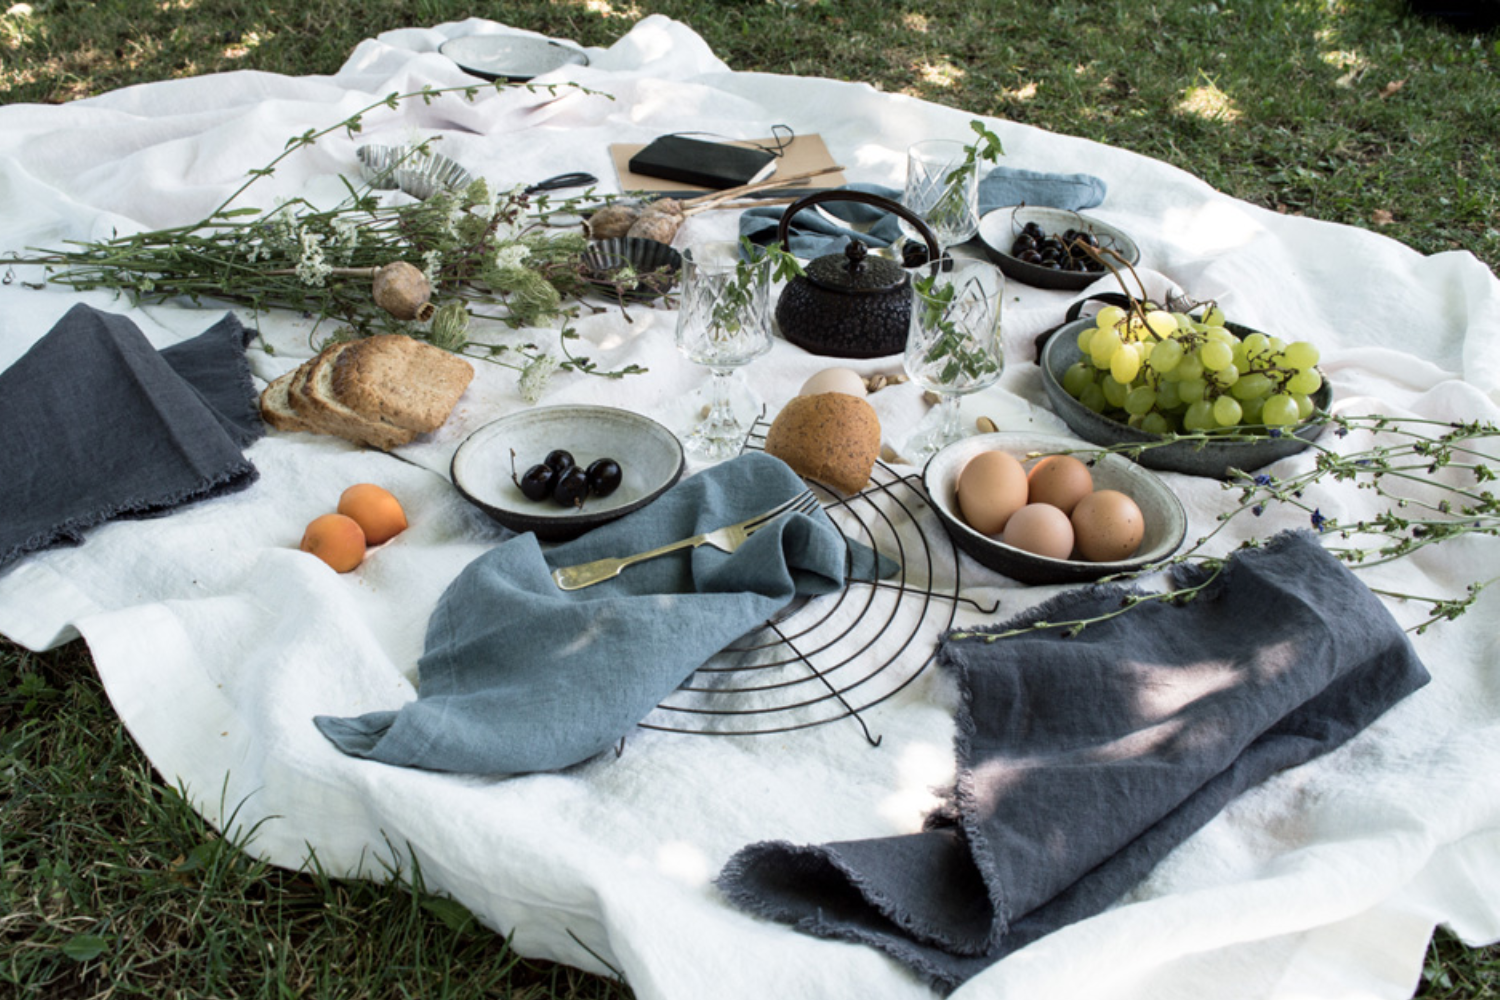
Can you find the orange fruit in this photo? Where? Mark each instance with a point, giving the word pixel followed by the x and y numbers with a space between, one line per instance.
pixel 335 539
pixel 379 513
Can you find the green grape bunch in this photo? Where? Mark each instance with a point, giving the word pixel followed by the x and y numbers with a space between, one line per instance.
pixel 1168 372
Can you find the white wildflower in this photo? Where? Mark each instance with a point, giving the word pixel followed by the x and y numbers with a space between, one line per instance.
pixel 511 255
pixel 345 231
pixel 312 267
pixel 536 375
pixel 431 261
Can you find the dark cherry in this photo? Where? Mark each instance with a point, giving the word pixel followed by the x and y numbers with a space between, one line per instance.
pixel 559 461
pixel 536 482
pixel 1029 256
pixel 604 477
pixel 571 488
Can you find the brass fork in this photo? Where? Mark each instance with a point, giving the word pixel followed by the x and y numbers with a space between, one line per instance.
pixel 727 538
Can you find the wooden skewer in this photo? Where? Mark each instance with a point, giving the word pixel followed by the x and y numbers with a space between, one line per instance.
pixel 765 185
pixel 737 205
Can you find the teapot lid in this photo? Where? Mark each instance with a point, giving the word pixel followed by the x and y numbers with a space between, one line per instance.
pixel 855 272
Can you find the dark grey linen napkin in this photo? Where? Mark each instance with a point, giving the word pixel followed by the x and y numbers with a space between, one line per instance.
pixel 1083 761
pixel 520 676
pixel 97 425
pixel 813 235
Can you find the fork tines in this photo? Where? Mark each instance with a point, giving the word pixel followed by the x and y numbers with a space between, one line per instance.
pixel 802 503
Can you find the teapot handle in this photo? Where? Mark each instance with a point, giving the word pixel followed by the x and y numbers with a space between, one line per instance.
pixel 934 252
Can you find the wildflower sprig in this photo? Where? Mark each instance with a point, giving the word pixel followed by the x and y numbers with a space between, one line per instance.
pixel 489 254
pixel 986 148
pixel 963 357
pixel 1431 477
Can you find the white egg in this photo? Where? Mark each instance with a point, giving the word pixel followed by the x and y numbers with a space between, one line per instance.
pixel 844 380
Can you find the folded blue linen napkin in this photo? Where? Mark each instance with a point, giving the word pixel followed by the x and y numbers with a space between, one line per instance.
pixel 99 425
pixel 1082 761
pixel 520 676
pixel 813 235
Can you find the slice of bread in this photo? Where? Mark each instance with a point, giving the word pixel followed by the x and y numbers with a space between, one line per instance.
pixel 276 406
pixel 395 380
pixel 381 391
pixel 317 403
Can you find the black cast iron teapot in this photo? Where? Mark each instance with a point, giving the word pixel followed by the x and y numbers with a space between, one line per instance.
pixel 850 304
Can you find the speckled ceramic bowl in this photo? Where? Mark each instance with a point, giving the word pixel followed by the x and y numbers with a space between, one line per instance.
pixel 1214 459
pixel 999 228
pixel 650 457
pixel 1165 520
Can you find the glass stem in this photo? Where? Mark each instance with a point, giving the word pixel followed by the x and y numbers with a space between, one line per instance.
pixel 719 421
pixel 950 424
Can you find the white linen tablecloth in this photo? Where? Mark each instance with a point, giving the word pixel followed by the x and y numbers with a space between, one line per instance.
pixel 218 641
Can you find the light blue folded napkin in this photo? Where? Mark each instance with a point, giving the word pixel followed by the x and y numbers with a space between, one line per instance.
pixel 813 235
pixel 521 676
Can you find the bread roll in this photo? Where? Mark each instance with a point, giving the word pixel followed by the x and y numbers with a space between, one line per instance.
pixel 832 438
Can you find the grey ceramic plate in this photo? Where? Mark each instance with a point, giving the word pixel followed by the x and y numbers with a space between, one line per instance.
pixel 999 228
pixel 1214 459
pixel 510 57
pixel 650 458
pixel 1166 522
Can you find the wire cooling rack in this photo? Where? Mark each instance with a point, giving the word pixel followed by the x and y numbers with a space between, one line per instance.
pixel 835 656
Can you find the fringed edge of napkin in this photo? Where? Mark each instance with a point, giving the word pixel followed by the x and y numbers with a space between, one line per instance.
pixel 738 872
pixel 71 532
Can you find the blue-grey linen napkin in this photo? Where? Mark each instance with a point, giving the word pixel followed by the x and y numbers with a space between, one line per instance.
pixel 98 425
pixel 812 235
pixel 1084 760
pixel 520 676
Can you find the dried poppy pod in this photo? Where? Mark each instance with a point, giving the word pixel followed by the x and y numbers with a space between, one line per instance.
pixel 613 221
pixel 403 291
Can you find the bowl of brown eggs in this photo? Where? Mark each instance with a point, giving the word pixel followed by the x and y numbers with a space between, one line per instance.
pixel 1040 510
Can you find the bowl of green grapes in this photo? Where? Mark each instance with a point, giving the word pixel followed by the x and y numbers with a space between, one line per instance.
pixel 1204 396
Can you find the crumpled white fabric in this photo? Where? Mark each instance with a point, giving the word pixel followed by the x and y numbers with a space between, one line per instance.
pixel 218 641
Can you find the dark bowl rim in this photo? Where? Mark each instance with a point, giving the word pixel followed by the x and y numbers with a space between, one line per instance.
pixel 566 526
pixel 1080 419
pixel 1044 277
pixel 1044 570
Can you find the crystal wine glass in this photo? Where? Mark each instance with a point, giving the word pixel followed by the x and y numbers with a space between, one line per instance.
pixel 953 347
pixel 723 323
pixel 943 188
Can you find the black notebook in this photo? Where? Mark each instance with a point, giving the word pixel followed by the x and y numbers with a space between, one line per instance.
pixel 705 164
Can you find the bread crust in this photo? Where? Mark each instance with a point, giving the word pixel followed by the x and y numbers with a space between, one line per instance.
pixel 380 392
pixel 317 403
pixel 831 438
pixel 395 380
pixel 275 403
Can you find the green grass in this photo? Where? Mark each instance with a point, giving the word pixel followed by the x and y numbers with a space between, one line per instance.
pixel 1350 110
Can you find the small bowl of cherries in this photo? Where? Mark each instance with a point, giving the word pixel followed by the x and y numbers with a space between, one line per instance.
pixel 559 471
pixel 1054 247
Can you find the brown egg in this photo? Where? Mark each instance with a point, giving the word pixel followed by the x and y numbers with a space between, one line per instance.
pixel 1041 529
pixel 1060 480
pixel 991 487
pixel 1108 526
